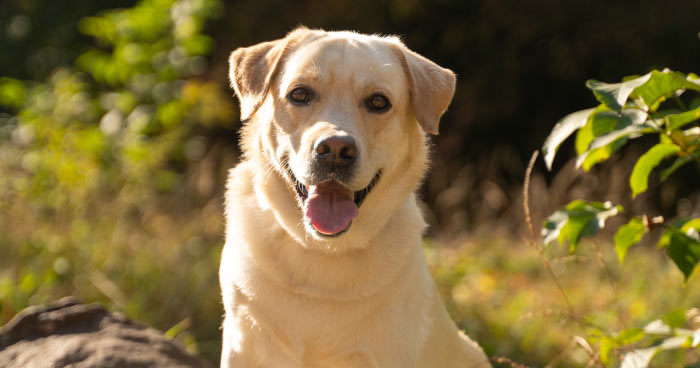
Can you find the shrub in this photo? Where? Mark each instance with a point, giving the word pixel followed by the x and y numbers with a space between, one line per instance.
pixel 665 104
pixel 94 165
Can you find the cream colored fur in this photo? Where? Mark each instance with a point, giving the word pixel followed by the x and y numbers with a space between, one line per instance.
pixel 292 297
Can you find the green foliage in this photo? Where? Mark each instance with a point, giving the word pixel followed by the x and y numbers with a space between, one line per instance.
pixel 614 96
pixel 564 128
pixel 655 103
pixel 647 162
pixel 576 220
pixel 657 336
pixel 628 235
pixel 663 85
pixel 93 162
pixel 497 291
pixel 609 343
pixel 628 110
pixel 605 132
pixel 12 92
pixel 683 244
pixel 666 338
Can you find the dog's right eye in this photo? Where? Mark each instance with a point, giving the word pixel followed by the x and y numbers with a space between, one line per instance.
pixel 300 96
pixel 378 103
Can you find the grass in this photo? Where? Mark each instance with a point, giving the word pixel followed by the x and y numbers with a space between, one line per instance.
pixel 495 289
pixel 499 292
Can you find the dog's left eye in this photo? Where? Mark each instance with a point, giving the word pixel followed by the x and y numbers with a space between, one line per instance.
pixel 300 96
pixel 377 103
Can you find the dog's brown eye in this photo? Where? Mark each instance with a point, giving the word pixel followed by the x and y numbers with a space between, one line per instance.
pixel 300 95
pixel 378 103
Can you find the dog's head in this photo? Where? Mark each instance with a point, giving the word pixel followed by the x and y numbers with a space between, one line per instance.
pixel 340 117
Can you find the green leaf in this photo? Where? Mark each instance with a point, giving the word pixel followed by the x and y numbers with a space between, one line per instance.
pixel 615 95
pixel 602 120
pixel 646 163
pixel 562 130
pixel 630 131
pixel 594 156
pixel 683 245
pixel 629 234
pixel 661 85
pixel 665 239
pixel 676 121
pixel 603 134
pixel 577 219
pixel 617 341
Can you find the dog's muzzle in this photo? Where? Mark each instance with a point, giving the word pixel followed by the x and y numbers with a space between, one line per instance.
pixel 329 205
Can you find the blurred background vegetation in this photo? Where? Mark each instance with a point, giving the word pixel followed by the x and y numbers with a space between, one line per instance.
pixel 117 128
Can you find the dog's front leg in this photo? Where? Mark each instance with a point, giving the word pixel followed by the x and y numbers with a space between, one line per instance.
pixel 227 353
pixel 231 354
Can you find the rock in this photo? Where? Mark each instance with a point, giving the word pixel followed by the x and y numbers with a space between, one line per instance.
pixel 67 333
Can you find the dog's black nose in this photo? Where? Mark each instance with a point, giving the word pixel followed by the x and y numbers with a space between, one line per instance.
pixel 337 150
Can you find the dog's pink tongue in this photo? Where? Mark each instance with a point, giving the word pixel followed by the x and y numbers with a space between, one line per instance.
pixel 330 207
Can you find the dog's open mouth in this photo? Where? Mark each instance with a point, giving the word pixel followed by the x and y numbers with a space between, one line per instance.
pixel 330 206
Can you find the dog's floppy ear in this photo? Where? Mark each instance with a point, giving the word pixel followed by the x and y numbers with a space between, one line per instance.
pixel 251 70
pixel 432 88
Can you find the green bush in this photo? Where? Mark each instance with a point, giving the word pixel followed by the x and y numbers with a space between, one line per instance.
pixel 665 104
pixel 94 163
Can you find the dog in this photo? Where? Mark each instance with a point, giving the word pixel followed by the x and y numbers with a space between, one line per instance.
pixel 323 265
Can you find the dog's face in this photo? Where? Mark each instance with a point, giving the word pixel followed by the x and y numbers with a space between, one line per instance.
pixel 338 116
pixel 341 106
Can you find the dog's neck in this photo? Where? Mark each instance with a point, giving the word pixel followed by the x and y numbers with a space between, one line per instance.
pixel 309 267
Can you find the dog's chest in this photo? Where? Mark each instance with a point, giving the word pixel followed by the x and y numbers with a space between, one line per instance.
pixel 317 333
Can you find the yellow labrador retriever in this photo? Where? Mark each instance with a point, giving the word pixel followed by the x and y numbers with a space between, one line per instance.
pixel 323 265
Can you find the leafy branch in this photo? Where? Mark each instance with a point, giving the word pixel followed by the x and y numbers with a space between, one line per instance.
pixel 633 108
pixel 629 110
